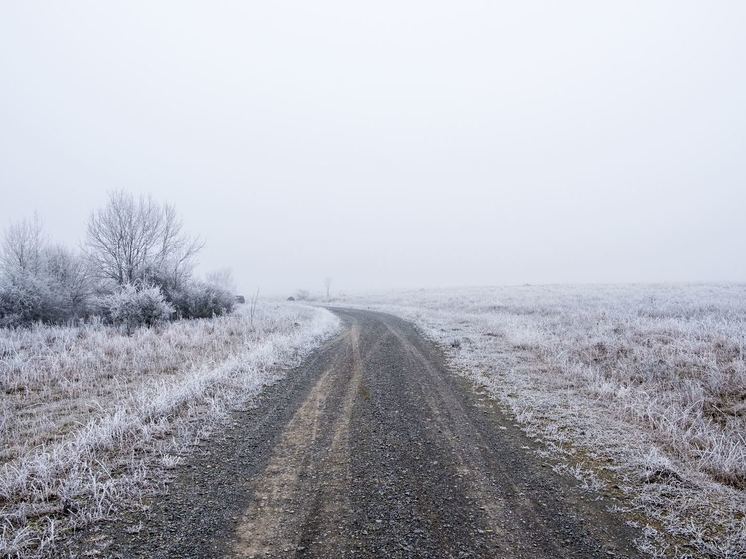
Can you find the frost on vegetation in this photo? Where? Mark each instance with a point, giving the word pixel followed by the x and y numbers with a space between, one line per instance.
pixel 137 305
pixel 89 414
pixel 653 378
pixel 587 478
pixel 135 269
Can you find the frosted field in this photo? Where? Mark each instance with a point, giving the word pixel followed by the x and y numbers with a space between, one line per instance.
pixel 640 390
pixel 91 418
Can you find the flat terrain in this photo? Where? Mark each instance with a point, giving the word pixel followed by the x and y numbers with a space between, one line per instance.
pixel 372 448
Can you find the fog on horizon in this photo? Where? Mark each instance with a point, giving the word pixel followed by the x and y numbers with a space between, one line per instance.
pixel 393 144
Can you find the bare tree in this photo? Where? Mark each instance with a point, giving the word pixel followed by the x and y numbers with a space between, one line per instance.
pixel 252 308
pixel 328 286
pixel 133 239
pixel 69 275
pixel 222 278
pixel 22 247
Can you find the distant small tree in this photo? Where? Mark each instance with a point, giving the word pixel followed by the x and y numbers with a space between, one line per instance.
pixel 328 286
pixel 302 295
pixel 252 306
pixel 222 278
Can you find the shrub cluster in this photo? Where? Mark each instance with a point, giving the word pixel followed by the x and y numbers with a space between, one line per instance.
pixel 135 270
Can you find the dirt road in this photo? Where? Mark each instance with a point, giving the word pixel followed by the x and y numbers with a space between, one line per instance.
pixel 371 449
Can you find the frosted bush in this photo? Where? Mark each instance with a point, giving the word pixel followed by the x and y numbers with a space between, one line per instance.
pixel 132 306
pixel 202 300
pixel 26 299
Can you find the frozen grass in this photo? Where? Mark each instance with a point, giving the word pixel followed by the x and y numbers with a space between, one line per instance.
pixel 91 418
pixel 641 387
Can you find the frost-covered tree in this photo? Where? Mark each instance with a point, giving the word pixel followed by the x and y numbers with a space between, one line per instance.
pixel 136 239
pixel 22 247
pixel 222 278
pixel 73 280
pixel 39 281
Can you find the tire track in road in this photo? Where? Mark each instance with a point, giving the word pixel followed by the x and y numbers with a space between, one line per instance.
pixel 308 466
pixel 517 510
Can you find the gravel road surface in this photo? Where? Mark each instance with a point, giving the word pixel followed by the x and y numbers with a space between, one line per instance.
pixel 371 448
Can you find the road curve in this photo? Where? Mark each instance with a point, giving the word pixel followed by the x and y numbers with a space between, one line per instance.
pixel 371 448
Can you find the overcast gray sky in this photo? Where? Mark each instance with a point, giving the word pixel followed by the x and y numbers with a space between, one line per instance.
pixel 391 143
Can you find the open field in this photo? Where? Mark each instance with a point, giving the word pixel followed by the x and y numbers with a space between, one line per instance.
pixel 90 418
pixel 642 390
pixel 636 392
